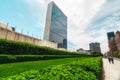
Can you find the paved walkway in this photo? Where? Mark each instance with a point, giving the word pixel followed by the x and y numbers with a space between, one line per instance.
pixel 112 71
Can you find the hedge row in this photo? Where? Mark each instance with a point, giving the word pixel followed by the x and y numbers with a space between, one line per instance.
pixel 82 69
pixel 20 48
pixel 23 58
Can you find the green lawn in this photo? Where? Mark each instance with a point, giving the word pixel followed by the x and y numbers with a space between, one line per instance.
pixel 16 68
pixel 84 68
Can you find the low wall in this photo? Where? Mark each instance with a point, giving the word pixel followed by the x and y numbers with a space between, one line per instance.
pixel 11 35
pixel 5 26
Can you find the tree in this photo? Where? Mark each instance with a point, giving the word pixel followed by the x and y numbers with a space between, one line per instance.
pixel 95 54
pixel 116 53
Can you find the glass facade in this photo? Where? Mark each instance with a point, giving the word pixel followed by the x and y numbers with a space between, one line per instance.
pixel 110 35
pixel 58 27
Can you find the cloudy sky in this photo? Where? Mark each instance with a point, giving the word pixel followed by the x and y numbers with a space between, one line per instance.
pixel 88 20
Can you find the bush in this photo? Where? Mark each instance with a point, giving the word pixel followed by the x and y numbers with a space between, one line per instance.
pixel 83 69
pixel 117 53
pixel 96 54
pixel 23 58
pixel 20 48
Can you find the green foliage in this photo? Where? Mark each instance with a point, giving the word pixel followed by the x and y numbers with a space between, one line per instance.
pixel 17 68
pixel 83 69
pixel 96 54
pixel 117 53
pixel 7 58
pixel 22 58
pixel 20 48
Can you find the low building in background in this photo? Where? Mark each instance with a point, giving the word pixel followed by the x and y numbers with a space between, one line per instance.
pixel 106 54
pixel 81 50
pixel 95 47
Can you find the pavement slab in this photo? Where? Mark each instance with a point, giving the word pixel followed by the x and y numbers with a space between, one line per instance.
pixel 112 71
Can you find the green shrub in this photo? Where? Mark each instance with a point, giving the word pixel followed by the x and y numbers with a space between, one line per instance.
pixel 96 54
pixel 7 58
pixel 20 48
pixel 23 58
pixel 117 53
pixel 83 69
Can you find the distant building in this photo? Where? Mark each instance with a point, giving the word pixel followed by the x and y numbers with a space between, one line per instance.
pixel 56 26
pixel 113 41
pixel 112 45
pixel 117 39
pixel 81 50
pixel 95 47
pixel 110 35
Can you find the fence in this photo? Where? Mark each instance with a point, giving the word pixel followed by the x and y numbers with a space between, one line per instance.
pixel 11 35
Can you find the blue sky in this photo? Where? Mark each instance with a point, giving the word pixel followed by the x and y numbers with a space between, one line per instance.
pixel 88 20
pixel 17 13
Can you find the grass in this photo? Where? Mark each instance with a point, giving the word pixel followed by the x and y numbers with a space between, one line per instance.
pixel 84 68
pixel 16 68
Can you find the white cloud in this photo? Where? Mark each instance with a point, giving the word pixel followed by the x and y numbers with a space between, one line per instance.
pixel 108 8
pixel 38 10
pixel 106 20
pixel 80 14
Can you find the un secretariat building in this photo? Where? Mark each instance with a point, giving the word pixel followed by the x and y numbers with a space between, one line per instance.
pixel 56 26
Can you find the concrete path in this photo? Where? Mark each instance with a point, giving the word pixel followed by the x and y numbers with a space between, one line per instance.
pixel 112 71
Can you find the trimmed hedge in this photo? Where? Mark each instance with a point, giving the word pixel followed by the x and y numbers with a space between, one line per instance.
pixel 82 69
pixel 23 58
pixel 20 48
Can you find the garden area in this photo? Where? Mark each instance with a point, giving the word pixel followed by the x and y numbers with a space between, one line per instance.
pixel 60 69
pixel 24 61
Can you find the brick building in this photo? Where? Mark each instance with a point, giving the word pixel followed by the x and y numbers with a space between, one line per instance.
pixel 117 40
pixel 112 45
pixel 113 41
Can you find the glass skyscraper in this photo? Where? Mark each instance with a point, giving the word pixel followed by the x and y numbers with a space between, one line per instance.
pixel 110 35
pixel 56 26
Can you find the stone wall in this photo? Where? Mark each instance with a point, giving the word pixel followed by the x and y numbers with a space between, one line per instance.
pixel 11 35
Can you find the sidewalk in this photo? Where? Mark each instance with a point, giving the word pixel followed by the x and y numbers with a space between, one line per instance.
pixel 112 71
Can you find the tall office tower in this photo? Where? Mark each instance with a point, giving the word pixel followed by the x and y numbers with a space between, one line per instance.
pixel 56 26
pixel 95 47
pixel 110 35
